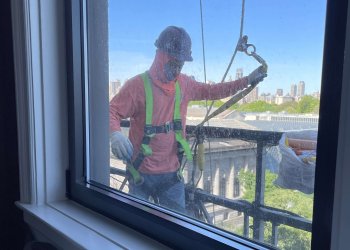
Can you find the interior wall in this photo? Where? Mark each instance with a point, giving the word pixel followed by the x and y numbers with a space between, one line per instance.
pixel 12 227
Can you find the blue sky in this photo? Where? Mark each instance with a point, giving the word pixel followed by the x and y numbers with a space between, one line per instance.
pixel 288 34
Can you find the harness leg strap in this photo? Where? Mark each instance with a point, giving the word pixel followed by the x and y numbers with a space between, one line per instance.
pixel 137 178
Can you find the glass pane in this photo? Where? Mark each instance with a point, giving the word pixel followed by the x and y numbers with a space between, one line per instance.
pixel 253 166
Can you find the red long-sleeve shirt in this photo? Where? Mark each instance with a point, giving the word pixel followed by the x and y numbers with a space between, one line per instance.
pixel 130 103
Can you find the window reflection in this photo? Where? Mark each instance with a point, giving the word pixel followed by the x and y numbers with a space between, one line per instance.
pixel 266 156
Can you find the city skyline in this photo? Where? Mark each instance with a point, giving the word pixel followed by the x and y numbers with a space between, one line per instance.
pixel 283 40
pixel 294 88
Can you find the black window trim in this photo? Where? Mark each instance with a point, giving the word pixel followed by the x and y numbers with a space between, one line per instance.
pixel 328 128
pixel 178 233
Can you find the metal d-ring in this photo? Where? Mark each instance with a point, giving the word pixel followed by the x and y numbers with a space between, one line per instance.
pixel 247 49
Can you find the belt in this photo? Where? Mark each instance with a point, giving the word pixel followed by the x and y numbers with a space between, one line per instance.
pixel 165 128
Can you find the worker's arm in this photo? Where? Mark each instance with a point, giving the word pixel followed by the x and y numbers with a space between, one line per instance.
pixel 122 106
pixel 200 91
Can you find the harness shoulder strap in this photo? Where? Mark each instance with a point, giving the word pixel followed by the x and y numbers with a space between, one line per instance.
pixel 149 98
pixel 177 118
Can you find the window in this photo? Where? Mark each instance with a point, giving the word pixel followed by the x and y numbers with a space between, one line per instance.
pixel 104 45
pixel 236 187
pixel 223 186
pixel 207 185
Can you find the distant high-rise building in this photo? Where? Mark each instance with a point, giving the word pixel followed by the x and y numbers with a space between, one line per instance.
pixel 239 73
pixel 114 87
pixel 263 97
pixel 279 92
pixel 255 92
pixel 267 97
pixel 301 88
pixel 293 90
pixel 252 96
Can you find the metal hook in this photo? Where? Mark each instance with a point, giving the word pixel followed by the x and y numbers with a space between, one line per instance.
pixel 243 46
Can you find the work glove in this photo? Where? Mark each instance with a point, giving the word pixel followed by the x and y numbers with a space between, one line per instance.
pixel 121 146
pixel 257 76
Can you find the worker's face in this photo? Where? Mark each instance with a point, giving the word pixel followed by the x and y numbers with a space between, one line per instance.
pixel 173 68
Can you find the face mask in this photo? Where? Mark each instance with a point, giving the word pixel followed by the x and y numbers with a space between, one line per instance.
pixel 172 69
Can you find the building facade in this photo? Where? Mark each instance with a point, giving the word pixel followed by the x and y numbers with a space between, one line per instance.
pixel 293 90
pixel 114 87
pixel 279 92
pixel 301 88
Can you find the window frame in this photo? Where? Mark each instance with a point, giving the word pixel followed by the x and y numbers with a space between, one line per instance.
pixel 167 227
pixel 175 230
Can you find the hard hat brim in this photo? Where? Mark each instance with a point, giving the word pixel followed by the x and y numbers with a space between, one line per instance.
pixel 183 58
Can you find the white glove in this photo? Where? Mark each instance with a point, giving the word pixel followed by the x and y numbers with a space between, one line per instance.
pixel 121 146
pixel 257 76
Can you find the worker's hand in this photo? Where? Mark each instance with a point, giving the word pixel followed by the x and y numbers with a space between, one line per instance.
pixel 121 146
pixel 257 76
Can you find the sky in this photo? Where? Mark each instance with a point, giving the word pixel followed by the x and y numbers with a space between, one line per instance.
pixel 288 34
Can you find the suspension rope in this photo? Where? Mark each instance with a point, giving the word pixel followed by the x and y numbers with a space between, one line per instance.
pixel 206 102
pixel 198 152
pixel 233 55
pixel 195 143
pixel 203 47
pixel 241 46
pixel 242 19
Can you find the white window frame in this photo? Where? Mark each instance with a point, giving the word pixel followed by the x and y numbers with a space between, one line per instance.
pixel 41 94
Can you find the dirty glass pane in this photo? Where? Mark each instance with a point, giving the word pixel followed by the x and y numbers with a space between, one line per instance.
pixel 253 165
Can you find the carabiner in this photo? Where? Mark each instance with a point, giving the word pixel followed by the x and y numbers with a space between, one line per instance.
pixel 243 46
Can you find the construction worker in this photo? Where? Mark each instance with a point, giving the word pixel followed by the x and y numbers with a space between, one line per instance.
pixel 156 103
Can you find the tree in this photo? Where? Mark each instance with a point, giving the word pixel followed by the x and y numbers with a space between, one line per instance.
pixel 290 200
pixel 308 104
pixel 289 107
pixel 258 106
pixel 217 103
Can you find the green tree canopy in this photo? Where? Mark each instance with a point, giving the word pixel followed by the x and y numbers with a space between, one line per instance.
pixel 290 200
pixel 258 106
pixel 308 104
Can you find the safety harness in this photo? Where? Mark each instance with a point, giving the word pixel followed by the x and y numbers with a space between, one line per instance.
pixel 150 131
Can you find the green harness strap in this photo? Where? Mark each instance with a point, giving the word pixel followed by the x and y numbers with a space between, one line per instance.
pixel 145 148
pixel 177 117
